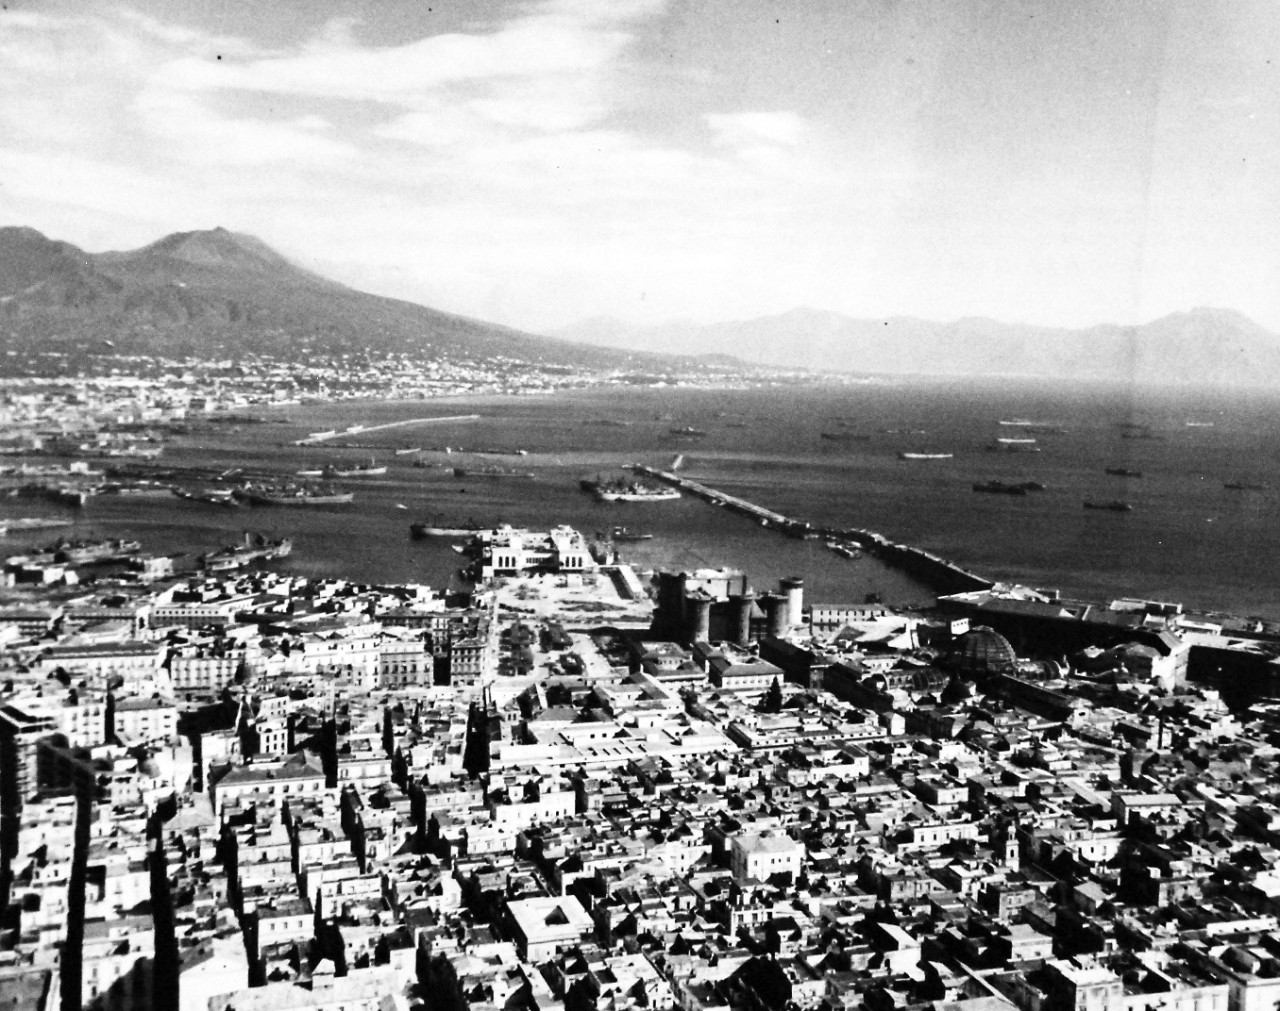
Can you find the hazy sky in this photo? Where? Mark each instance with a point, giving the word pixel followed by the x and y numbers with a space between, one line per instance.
pixel 1055 161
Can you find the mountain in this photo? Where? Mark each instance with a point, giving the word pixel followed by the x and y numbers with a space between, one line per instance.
pixel 218 294
pixel 1216 346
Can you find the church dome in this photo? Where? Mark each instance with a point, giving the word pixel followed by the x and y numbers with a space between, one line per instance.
pixel 981 652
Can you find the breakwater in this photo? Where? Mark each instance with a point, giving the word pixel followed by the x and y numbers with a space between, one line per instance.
pixel 939 574
pixel 331 434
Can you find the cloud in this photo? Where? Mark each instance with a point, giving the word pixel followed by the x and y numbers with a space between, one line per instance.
pixel 554 38
pixel 196 133
pixel 749 129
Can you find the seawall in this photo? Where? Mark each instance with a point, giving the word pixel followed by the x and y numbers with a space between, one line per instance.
pixel 939 574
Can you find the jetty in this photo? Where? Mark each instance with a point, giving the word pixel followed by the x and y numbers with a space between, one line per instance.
pixel 317 437
pixel 938 573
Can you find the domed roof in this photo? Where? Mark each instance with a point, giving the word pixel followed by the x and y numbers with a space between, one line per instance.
pixel 982 651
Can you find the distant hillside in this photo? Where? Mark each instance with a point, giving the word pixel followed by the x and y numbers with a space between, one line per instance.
pixel 1215 346
pixel 220 294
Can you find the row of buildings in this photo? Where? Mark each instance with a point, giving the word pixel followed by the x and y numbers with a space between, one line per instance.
pixel 267 792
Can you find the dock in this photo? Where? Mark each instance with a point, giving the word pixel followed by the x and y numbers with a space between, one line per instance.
pixel 317 437
pixel 938 573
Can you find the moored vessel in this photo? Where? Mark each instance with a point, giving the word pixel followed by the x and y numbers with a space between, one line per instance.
pixel 623 490
pixel 292 496
pixel 256 547
pixel 369 469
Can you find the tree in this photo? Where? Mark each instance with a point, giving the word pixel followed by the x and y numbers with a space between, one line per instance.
pixel 772 702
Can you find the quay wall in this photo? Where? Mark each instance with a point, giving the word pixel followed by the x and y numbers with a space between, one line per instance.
pixel 940 575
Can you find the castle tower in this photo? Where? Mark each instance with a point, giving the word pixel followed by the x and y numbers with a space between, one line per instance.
pixel 793 587
pixel 698 616
pixel 777 609
pixel 743 604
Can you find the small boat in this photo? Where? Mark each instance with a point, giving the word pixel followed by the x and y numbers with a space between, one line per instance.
pixel 408 451
pixel 369 469
pixel 1198 424
pixel 401 505
pixel 925 456
pixel 1244 486
pixel 317 472
pixel 688 432
pixel 1115 507
pixel 623 534
pixel 1123 472
pixel 843 550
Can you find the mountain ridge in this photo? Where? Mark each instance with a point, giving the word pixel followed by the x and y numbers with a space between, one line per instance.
pixel 220 293
pixel 1203 344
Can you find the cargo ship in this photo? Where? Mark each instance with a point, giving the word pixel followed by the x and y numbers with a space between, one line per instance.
pixel 925 456
pixel 89 552
pixel 300 496
pixel 627 491
pixel 255 548
pixel 1115 507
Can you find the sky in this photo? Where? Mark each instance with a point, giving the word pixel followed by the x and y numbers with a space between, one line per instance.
pixel 536 162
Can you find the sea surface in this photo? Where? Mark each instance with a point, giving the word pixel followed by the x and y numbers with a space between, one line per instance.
pixel 1187 538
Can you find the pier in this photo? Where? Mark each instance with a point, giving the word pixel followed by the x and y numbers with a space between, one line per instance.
pixel 938 573
pixel 316 437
